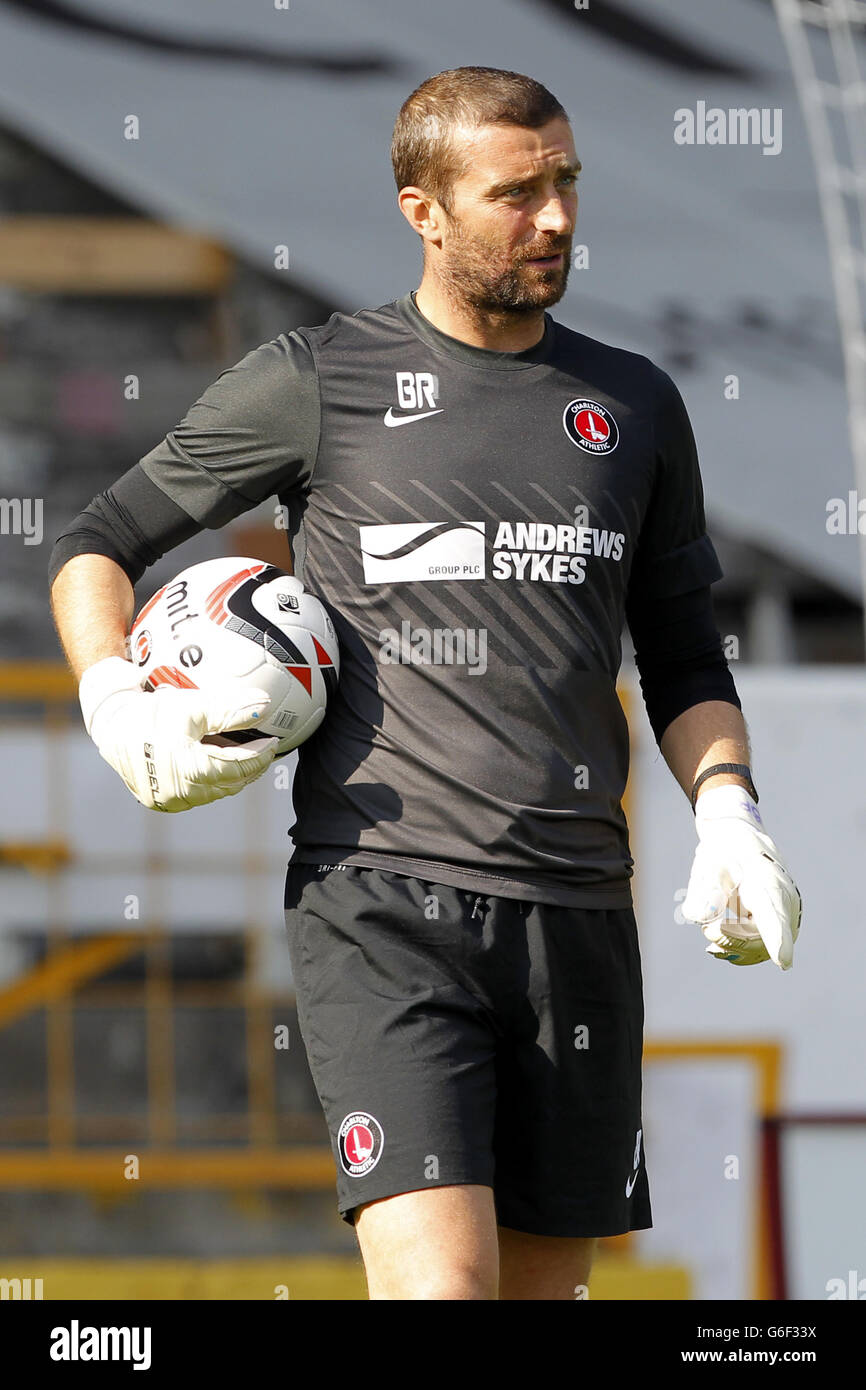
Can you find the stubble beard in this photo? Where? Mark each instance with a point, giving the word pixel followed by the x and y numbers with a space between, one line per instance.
pixel 469 277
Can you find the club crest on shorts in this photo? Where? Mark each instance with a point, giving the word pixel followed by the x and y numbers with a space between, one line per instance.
pixel 590 426
pixel 360 1141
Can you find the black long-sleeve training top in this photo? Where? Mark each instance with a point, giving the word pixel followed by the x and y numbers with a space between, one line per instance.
pixel 480 526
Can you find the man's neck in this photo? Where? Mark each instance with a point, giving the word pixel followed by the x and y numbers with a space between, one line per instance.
pixel 498 331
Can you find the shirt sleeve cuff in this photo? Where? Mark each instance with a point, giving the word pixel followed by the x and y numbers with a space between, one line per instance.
pixel 690 566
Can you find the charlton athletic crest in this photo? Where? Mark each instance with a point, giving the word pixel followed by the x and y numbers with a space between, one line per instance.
pixel 360 1142
pixel 590 426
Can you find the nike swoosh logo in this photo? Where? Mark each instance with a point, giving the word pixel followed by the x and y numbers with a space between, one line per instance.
pixel 629 1187
pixel 391 419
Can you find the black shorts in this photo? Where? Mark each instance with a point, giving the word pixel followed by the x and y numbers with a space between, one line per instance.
pixel 455 1038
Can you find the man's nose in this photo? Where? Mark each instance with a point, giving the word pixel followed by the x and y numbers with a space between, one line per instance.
pixel 555 217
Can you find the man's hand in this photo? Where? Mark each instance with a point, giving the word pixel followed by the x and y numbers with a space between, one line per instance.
pixel 152 739
pixel 736 857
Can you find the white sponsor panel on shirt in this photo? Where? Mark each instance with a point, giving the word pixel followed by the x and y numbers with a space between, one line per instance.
pixel 405 552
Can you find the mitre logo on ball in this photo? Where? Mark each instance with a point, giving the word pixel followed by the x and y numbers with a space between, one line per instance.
pixel 242 620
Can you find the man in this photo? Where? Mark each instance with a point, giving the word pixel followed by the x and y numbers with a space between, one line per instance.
pixel 482 497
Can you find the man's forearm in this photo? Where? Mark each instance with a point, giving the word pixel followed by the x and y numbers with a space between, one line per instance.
pixel 711 732
pixel 93 603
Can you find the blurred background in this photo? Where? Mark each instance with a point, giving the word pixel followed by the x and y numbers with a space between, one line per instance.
pixel 180 182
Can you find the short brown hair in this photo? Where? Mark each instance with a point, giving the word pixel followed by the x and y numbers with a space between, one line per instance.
pixel 423 151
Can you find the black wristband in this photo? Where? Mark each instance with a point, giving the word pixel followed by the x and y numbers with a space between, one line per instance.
pixel 739 768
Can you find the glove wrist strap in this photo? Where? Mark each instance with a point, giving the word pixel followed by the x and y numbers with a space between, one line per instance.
pixel 740 768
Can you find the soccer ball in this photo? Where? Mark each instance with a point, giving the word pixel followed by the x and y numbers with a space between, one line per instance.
pixel 242 620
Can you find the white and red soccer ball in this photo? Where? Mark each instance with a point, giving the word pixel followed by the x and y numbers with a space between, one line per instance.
pixel 242 620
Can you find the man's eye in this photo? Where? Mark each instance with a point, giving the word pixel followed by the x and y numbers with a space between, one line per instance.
pixel 519 188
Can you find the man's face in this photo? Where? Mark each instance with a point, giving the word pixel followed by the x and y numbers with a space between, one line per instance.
pixel 517 203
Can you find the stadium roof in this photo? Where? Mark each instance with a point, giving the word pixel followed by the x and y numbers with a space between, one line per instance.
pixel 266 126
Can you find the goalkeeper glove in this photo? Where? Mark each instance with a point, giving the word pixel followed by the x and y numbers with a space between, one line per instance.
pixel 153 738
pixel 736 857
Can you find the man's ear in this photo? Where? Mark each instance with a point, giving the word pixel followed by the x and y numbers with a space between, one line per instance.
pixel 422 212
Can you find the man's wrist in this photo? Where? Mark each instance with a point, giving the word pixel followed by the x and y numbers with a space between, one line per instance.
pixel 734 774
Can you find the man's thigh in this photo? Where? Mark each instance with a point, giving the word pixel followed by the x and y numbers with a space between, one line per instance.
pixel 445 1244
pixel 437 1243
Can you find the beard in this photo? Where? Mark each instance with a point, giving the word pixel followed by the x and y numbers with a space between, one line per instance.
pixel 473 274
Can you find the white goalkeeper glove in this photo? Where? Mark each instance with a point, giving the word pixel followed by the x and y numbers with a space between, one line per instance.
pixel 736 859
pixel 153 738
